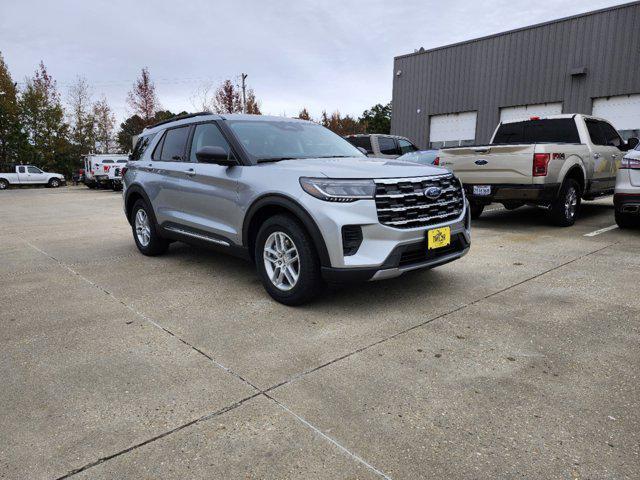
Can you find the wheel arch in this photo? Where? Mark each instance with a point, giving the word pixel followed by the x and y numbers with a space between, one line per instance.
pixel 574 168
pixel 271 204
pixel 134 193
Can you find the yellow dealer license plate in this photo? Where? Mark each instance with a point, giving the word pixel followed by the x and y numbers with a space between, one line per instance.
pixel 438 237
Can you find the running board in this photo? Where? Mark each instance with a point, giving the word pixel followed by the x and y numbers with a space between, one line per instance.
pixel 199 236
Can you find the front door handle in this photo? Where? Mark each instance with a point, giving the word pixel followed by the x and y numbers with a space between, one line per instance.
pixel 614 155
pixel 191 172
pixel 596 155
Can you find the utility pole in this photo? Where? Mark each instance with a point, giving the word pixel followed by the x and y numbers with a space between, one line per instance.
pixel 244 93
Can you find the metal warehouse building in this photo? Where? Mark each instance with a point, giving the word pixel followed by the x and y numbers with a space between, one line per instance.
pixel 457 94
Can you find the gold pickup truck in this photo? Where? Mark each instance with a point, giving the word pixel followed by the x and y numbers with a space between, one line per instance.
pixel 553 162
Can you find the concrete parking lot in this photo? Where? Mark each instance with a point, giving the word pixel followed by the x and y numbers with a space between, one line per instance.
pixel 519 361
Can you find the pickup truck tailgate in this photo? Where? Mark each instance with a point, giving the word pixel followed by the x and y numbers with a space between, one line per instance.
pixel 491 164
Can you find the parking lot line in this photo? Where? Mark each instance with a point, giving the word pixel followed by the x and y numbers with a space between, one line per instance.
pixel 602 230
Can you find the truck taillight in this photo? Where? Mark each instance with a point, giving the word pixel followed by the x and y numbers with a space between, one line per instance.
pixel 630 163
pixel 540 164
pixel 436 161
pixel 123 171
pixel 106 168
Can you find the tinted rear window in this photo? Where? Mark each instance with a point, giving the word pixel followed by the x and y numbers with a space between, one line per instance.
pixel 141 145
pixel 559 130
pixel 363 142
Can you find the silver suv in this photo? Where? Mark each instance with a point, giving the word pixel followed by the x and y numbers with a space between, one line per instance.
pixel 301 202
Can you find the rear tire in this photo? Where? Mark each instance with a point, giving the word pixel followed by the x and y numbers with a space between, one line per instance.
pixel 145 230
pixel 624 220
pixel 280 239
pixel 4 185
pixel 566 207
pixel 476 210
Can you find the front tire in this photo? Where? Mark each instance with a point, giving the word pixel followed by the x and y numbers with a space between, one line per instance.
pixel 145 231
pixel 287 261
pixel 476 210
pixel 564 210
pixel 54 183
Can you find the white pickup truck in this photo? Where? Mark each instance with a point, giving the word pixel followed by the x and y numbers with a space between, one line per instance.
pixel 553 162
pixel 21 175
pixel 98 170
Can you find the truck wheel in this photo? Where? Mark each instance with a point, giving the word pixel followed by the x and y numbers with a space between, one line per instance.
pixel 3 184
pixel 476 210
pixel 145 232
pixel 564 210
pixel 287 261
pixel 54 183
pixel 624 220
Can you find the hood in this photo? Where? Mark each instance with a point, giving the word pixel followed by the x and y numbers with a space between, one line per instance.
pixel 356 167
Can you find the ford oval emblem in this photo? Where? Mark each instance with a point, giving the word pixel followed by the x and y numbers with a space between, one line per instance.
pixel 433 193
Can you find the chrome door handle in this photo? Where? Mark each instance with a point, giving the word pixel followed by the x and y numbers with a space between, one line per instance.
pixel 614 155
pixel 596 155
pixel 191 172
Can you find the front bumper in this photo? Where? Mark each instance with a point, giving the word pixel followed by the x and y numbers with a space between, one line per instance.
pixel 385 252
pixel 537 194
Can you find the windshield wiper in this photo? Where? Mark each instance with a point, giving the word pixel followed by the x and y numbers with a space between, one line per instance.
pixel 335 156
pixel 275 159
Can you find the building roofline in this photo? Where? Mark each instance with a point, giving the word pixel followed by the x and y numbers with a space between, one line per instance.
pixel 529 27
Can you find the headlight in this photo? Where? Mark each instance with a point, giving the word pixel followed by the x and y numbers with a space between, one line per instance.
pixel 332 190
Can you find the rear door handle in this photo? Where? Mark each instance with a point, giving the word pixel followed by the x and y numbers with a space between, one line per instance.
pixel 596 155
pixel 191 172
pixel 614 155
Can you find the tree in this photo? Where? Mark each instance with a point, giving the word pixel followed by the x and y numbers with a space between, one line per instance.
pixel 253 105
pixel 143 99
pixel 105 122
pixel 12 138
pixel 203 98
pixel 82 124
pixel 377 119
pixel 340 125
pixel 131 127
pixel 227 98
pixel 304 114
pixel 42 115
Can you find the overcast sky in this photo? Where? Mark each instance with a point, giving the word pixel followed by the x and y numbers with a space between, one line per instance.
pixel 319 54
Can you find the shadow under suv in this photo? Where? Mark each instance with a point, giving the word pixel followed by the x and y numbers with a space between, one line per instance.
pixel 298 200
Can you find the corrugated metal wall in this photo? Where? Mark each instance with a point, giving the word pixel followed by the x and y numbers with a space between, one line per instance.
pixel 521 67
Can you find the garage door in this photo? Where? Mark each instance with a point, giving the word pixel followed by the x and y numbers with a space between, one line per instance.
pixel 453 129
pixel 623 111
pixel 522 112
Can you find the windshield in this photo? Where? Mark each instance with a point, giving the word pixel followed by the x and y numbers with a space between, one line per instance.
pixel 282 140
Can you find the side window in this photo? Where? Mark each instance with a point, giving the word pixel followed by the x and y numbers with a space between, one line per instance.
pixel 406 146
pixel 611 135
pixel 208 135
pixel 141 146
pixel 595 132
pixel 173 145
pixel 157 152
pixel 21 170
pixel 33 170
pixel 387 146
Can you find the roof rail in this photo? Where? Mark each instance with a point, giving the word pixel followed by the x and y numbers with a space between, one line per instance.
pixel 178 117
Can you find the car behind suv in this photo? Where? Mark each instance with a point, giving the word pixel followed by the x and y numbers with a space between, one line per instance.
pixel 301 202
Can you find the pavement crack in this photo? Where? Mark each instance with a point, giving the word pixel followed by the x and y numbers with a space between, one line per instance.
pixel 432 319
pixel 206 417
pixel 145 317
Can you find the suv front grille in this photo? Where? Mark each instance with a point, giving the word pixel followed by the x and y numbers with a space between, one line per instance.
pixel 401 202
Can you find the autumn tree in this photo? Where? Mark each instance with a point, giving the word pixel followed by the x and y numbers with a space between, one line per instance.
pixel 12 138
pixel 143 99
pixel 304 114
pixel 42 116
pixel 81 120
pixel 253 105
pixel 227 98
pixel 340 125
pixel 105 122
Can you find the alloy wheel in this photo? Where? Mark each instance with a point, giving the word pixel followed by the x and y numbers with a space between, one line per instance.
pixel 143 230
pixel 281 261
pixel 571 203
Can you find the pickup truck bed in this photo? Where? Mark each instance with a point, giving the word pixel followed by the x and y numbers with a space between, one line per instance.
pixel 552 162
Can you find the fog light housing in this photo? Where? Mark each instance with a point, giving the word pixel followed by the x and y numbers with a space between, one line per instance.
pixel 351 239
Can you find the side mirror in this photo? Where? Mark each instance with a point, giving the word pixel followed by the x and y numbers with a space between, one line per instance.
pixel 363 150
pixel 633 143
pixel 215 155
